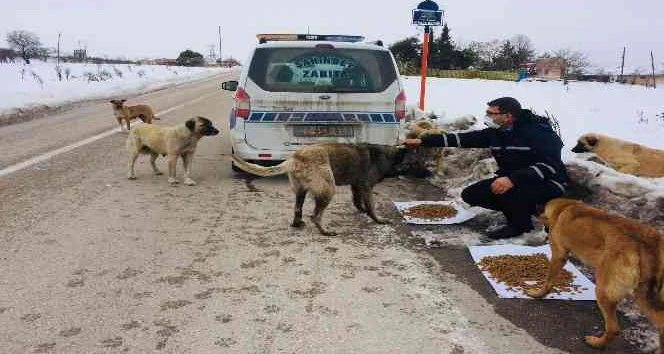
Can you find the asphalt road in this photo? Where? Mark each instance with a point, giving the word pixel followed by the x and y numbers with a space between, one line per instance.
pixel 91 262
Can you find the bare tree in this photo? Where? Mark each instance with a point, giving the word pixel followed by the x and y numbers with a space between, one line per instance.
pixel 576 62
pixel 27 44
pixel 487 52
pixel 523 48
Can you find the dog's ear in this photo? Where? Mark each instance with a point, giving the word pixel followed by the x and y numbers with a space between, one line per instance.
pixel 113 101
pixel 592 140
pixel 204 120
pixel 123 100
pixel 191 124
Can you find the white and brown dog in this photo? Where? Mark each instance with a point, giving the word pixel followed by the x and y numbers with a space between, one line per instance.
pixel 172 142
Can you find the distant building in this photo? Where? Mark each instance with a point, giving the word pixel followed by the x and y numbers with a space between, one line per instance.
pixel 550 68
pixel 80 54
pixel 7 55
pixel 229 62
pixel 161 61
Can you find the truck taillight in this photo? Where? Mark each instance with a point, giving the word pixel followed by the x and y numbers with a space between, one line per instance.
pixel 242 103
pixel 400 105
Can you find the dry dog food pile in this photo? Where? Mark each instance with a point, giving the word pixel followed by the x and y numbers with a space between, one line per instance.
pixel 526 272
pixel 431 211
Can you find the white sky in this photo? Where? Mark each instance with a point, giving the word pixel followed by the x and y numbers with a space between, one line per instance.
pixel 151 28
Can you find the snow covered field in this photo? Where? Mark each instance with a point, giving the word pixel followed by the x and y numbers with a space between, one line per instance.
pixel 628 112
pixel 37 83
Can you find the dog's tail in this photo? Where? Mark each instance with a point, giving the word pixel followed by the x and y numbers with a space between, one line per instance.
pixel 262 171
pixel 155 117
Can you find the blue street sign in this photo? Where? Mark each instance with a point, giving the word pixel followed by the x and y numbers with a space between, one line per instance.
pixel 427 18
pixel 428 13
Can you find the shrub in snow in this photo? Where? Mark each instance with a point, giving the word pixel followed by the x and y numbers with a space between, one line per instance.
pixel 91 77
pixel 118 72
pixel 140 73
pixel 37 78
pixel 105 75
pixel 58 72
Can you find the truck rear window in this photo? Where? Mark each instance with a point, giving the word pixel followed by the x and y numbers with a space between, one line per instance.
pixel 322 70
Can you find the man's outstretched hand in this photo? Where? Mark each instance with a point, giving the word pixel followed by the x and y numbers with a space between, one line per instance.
pixel 411 142
pixel 501 185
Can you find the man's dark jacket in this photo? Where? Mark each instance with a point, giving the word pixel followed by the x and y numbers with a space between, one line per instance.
pixel 529 152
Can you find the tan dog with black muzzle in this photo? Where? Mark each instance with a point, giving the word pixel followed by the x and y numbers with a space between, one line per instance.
pixel 172 142
pixel 127 113
pixel 318 170
pixel 623 156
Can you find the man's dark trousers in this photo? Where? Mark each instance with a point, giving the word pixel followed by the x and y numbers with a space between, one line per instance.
pixel 517 204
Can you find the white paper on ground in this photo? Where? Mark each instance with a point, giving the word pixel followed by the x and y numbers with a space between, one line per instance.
pixel 461 216
pixel 586 287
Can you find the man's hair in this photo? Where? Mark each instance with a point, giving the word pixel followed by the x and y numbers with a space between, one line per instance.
pixel 507 105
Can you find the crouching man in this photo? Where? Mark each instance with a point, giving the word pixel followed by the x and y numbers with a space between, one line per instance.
pixel 530 170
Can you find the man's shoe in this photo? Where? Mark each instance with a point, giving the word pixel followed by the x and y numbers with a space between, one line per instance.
pixel 506 232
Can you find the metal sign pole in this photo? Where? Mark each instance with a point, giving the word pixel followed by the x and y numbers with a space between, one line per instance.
pixel 425 56
pixel 426 14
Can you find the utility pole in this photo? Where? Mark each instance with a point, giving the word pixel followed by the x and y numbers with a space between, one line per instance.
pixel 622 66
pixel 220 45
pixel 652 62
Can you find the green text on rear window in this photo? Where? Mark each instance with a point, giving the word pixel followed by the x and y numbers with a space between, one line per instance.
pixel 322 70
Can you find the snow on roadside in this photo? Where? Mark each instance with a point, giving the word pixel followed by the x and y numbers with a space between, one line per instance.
pixel 37 83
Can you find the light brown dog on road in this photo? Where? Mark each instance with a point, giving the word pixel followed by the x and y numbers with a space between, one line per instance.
pixel 127 113
pixel 172 142
pixel 623 156
pixel 628 258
